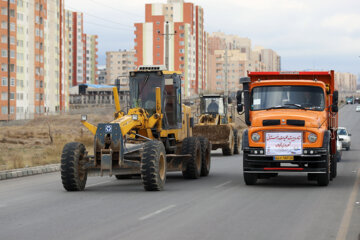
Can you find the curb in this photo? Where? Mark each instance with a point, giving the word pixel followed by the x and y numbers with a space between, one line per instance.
pixel 23 172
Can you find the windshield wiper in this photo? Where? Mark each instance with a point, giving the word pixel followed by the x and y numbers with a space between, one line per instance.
pixel 296 105
pixel 276 107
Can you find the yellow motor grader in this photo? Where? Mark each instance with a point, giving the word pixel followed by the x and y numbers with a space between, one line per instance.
pixel 217 124
pixel 153 138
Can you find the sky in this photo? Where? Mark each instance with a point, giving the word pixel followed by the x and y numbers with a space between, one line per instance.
pixel 307 34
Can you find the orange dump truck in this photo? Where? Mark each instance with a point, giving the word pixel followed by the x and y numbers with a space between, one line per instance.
pixel 292 125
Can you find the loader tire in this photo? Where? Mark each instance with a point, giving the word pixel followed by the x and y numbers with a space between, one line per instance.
pixel 192 167
pixel 73 173
pixel 153 166
pixel 229 150
pixel 237 142
pixel 205 156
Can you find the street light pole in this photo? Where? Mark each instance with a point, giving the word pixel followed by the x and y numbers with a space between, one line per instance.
pixel 167 44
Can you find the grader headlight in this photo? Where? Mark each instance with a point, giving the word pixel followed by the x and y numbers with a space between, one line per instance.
pixel 83 118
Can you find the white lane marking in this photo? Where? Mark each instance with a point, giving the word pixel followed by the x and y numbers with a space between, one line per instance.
pixel 223 184
pixel 345 222
pixel 95 184
pixel 156 212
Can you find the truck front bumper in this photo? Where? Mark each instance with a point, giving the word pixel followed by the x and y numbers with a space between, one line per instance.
pixel 311 161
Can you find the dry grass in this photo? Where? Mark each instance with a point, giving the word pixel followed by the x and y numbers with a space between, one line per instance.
pixel 30 144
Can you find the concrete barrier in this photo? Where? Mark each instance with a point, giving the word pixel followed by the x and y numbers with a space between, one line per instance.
pixel 23 172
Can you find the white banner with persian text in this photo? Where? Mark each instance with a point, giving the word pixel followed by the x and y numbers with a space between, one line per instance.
pixel 283 143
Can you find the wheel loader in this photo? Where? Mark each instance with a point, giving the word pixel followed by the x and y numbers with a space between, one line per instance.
pixel 217 124
pixel 154 137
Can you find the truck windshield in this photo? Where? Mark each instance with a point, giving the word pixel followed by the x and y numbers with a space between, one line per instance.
pixel 292 97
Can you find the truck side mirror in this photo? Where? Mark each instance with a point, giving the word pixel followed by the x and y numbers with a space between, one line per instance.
pixel 240 106
pixel 336 97
pixel 334 106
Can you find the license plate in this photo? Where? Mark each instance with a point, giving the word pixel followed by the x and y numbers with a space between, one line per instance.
pixel 284 158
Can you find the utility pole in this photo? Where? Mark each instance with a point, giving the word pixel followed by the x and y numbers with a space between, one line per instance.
pixel 226 72
pixel 8 65
pixel 167 44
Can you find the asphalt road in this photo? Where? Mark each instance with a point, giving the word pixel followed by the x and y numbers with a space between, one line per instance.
pixel 216 207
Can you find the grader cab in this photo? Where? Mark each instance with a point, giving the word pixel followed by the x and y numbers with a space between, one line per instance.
pixel 217 124
pixel 153 138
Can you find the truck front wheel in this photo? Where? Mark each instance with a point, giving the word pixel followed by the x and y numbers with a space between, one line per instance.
pixel 250 178
pixel 323 179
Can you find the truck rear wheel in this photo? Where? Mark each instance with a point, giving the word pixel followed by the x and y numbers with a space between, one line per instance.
pixel 229 150
pixel 73 173
pixel 333 167
pixel 153 166
pixel 205 156
pixel 192 167
pixel 237 142
pixel 323 179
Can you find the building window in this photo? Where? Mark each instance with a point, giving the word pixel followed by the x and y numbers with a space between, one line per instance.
pixel 4 110
pixel 4 25
pixel 4 96
pixel 4 81
pixel 12 82
pixel 3 39
pixel 4 53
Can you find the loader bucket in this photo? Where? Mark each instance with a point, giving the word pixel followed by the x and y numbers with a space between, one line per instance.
pixel 218 135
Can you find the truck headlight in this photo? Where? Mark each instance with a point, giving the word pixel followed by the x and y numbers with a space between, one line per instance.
pixel 135 117
pixel 312 137
pixel 255 137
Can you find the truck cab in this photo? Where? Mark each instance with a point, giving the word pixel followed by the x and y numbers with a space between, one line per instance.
pixel 292 123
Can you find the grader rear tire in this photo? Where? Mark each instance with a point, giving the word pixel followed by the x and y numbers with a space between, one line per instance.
pixel 192 168
pixel 153 166
pixel 73 174
pixel 122 177
pixel 205 156
pixel 237 142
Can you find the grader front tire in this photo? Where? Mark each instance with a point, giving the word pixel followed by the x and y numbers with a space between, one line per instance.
pixel 153 166
pixel 73 174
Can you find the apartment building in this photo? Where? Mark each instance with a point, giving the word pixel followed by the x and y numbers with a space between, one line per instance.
pixel 231 57
pixel 81 49
pixel 118 66
pixel 346 82
pixel 31 42
pixel 38 54
pixel 173 35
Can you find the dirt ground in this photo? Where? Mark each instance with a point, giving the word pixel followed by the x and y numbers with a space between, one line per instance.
pixel 40 141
